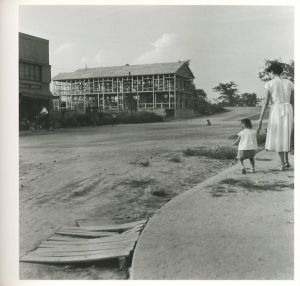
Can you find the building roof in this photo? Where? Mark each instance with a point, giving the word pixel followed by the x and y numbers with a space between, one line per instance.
pixel 35 38
pixel 135 70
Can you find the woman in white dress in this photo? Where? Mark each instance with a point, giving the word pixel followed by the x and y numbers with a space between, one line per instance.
pixel 280 92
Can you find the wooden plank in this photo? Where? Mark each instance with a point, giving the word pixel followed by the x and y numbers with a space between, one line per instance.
pixel 85 229
pixel 90 241
pixel 74 259
pixel 97 225
pixel 89 246
pixel 113 229
pixel 78 244
pixel 133 230
pixel 74 244
pixel 76 253
pixel 80 238
pixel 85 234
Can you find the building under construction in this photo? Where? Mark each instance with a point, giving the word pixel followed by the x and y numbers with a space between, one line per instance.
pixel 165 88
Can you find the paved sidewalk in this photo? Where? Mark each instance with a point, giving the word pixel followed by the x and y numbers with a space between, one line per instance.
pixel 232 226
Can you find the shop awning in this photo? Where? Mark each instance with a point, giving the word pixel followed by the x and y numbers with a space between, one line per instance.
pixel 39 96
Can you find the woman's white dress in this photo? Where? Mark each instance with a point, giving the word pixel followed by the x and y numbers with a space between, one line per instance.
pixel 281 115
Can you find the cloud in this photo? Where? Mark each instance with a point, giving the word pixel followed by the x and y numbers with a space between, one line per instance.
pixel 105 58
pixel 62 48
pixel 84 60
pixel 162 50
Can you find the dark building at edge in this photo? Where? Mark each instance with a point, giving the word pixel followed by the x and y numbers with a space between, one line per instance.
pixel 34 76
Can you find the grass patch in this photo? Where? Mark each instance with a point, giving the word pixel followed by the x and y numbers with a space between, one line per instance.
pixel 145 163
pixel 218 152
pixel 230 181
pixel 142 163
pixel 220 191
pixel 142 183
pixel 175 159
pixel 261 186
pixel 159 192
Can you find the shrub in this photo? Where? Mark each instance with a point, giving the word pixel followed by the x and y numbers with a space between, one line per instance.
pixel 23 124
pixel 191 152
pixel 215 108
pixel 139 117
pixel 56 119
pixel 219 152
pixel 75 119
pixel 209 108
pixel 71 118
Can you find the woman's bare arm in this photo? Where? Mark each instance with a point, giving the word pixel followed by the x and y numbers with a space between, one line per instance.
pixel 263 111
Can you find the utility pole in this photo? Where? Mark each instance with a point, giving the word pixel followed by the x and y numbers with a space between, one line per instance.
pixel 130 96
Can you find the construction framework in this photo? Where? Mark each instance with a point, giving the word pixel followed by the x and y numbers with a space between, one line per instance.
pixel 160 87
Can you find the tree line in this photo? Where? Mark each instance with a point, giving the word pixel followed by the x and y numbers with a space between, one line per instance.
pixel 229 93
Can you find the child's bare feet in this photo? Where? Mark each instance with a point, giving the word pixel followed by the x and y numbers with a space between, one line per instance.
pixel 253 170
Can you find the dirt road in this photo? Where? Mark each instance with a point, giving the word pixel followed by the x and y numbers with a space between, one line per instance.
pixel 110 174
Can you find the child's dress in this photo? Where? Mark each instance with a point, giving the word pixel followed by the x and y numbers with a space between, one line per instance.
pixel 281 115
pixel 248 144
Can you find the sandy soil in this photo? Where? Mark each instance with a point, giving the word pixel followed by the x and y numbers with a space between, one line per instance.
pixel 100 173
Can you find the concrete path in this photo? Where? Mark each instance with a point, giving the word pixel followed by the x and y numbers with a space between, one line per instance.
pixel 232 226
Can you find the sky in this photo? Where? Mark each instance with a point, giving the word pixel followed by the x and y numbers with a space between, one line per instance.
pixel 223 43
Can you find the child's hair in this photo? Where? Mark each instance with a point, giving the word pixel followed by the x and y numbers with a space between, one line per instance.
pixel 247 123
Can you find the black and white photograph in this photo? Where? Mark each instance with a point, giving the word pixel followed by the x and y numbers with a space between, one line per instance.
pixel 154 142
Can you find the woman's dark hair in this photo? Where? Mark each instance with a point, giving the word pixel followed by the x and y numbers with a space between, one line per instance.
pixel 247 123
pixel 276 68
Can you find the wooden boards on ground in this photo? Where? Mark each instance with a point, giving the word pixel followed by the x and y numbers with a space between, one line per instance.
pixel 87 242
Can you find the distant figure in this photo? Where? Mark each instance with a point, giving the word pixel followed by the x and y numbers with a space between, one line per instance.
pixel 247 140
pixel 280 92
pixel 44 114
pixel 114 119
pixel 208 122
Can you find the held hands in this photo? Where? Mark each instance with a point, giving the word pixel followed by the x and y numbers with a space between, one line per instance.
pixel 236 142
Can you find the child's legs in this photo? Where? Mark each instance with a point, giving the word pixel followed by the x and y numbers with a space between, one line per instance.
pixel 252 162
pixel 242 163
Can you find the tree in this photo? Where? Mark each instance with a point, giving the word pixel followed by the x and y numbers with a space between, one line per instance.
pixel 229 95
pixel 249 99
pixel 200 103
pixel 288 70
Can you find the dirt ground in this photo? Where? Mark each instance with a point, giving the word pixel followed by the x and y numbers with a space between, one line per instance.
pixel 113 174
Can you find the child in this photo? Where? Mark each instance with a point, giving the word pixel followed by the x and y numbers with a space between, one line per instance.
pixel 247 140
